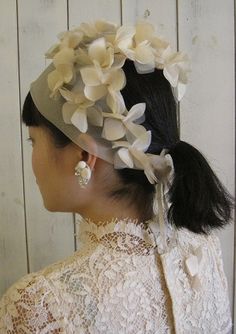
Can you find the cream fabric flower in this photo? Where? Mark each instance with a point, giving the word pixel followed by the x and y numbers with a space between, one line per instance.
pixel 68 39
pixel 101 53
pixel 115 102
pixel 175 71
pixel 175 66
pixel 116 126
pixel 124 38
pixel 97 29
pixel 64 70
pixel 135 43
pixel 78 109
pixel 101 83
pixel 133 156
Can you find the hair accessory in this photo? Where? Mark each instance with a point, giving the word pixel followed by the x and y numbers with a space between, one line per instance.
pixel 79 92
pixel 83 171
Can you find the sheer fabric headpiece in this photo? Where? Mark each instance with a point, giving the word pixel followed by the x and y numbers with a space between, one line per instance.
pixel 79 92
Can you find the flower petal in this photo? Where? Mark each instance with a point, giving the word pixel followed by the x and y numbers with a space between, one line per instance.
pixel 88 29
pixel 95 93
pixel 139 158
pixel 79 120
pixel 124 37
pixel 115 102
pixel 144 54
pixel 180 90
pixel 135 129
pixel 162 55
pixel 67 95
pixel 143 142
pixel 125 156
pixel 71 39
pixel 118 163
pixel 116 79
pixel 171 73
pixel 97 49
pixel 112 115
pixel 108 62
pixel 64 56
pixel 159 44
pixel 55 80
pixel 144 31
pixel 141 161
pixel 67 71
pixel 119 61
pixel 105 26
pixel 68 111
pixel 129 53
pixel 113 129
pixel 82 57
pixel 90 76
pixel 135 112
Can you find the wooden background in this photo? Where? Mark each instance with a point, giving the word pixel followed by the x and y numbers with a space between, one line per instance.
pixel 31 237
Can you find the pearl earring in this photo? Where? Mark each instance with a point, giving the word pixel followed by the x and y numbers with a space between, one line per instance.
pixel 83 171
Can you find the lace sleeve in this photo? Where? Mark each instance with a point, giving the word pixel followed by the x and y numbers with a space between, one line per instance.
pixel 29 306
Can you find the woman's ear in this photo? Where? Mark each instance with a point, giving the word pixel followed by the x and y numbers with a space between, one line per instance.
pixel 89 147
pixel 90 159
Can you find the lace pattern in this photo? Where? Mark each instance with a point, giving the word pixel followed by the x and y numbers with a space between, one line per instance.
pixel 123 280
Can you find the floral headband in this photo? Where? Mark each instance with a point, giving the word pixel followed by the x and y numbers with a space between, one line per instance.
pixel 85 80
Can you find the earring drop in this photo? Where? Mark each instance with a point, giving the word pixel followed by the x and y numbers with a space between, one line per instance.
pixel 83 171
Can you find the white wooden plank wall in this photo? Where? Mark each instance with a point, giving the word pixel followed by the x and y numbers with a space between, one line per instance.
pixel 50 236
pixel 31 237
pixel 13 260
pixel 206 31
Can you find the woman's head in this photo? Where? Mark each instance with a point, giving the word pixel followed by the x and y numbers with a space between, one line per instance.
pixel 129 185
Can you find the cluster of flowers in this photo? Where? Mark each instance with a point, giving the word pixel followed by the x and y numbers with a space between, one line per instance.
pixel 88 65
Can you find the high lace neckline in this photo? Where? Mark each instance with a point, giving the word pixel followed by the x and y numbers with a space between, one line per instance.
pixel 127 234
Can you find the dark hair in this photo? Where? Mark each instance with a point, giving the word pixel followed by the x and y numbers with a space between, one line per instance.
pixel 32 117
pixel 199 202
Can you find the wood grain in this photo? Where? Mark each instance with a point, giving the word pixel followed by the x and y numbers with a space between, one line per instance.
pixel 13 258
pixel 206 32
pixel 204 29
pixel 50 235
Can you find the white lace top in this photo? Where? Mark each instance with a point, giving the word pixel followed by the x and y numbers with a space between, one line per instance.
pixel 125 280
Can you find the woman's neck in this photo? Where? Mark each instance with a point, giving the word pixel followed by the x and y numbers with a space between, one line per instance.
pixel 104 211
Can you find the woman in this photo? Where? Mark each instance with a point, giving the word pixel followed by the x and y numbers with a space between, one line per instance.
pixel 103 124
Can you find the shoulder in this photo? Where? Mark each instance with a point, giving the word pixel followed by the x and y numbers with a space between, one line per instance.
pixel 198 255
pixel 34 302
pixel 196 280
pixel 209 244
pixel 40 301
pixel 26 306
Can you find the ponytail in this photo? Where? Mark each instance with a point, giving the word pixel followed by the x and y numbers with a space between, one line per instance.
pixel 198 200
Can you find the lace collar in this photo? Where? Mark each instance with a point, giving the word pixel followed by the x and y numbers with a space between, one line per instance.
pixel 127 235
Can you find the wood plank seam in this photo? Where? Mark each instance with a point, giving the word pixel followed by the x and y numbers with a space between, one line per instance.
pixel 21 135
